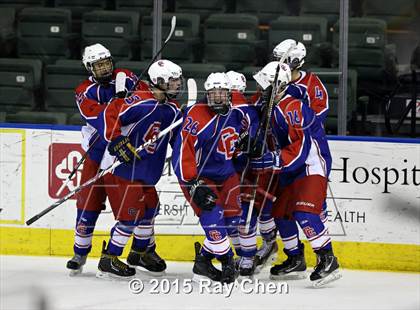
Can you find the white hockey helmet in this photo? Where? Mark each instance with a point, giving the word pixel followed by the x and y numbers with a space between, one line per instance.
pixel 218 87
pixel 167 76
pixel 237 80
pixel 97 60
pixel 296 56
pixel 265 77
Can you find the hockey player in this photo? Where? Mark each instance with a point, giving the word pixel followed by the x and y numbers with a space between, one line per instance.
pixel 303 158
pixel 202 160
pixel 126 125
pixel 316 98
pixel 246 243
pixel 309 88
pixel 92 97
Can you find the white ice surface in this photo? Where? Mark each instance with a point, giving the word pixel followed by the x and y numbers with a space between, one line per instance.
pixel 25 282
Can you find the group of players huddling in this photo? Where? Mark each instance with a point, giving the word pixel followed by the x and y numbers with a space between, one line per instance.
pixel 230 157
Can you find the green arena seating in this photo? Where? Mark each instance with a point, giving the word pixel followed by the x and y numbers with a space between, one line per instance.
pixel 118 31
pixel 329 9
pixel 20 83
pixel 200 72
pixel 184 42
pixel 20 4
pixel 144 7
pixel 78 8
pixel 265 10
pixel 397 14
pixel 330 79
pixel 45 33
pixel 367 54
pixel 137 67
pixel 231 39
pixel 310 30
pixel 60 81
pixel 7 31
pixel 35 117
pixel 202 7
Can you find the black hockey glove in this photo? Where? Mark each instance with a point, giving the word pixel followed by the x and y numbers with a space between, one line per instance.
pixel 249 146
pixel 202 195
pixel 123 149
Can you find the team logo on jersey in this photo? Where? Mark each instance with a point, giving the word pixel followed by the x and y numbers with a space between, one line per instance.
pixel 309 232
pixel 151 134
pixel 226 145
pixel 63 157
pixel 215 235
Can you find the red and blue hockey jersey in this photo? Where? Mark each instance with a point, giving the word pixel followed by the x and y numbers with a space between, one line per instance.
pixel 205 145
pixel 301 139
pixel 141 117
pixel 316 93
pixel 91 99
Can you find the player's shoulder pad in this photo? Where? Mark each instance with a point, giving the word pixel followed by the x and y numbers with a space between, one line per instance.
pixel 238 98
pixel 199 115
pixel 174 103
pixel 289 104
pixel 85 85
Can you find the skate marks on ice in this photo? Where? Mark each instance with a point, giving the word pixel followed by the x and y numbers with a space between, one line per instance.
pixel 30 282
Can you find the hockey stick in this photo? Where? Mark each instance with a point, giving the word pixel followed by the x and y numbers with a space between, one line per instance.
pixel 267 125
pixel 173 25
pixel 119 87
pixel 192 97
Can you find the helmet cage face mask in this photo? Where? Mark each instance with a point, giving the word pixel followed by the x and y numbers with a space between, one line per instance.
pixel 102 69
pixel 219 100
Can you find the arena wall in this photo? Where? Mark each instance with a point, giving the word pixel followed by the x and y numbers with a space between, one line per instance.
pixel 373 200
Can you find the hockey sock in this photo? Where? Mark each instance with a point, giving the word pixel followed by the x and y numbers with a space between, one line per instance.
pixel 232 224
pixel 289 234
pixel 266 222
pixel 314 230
pixel 214 226
pixel 248 239
pixel 143 234
pixel 120 234
pixel 85 224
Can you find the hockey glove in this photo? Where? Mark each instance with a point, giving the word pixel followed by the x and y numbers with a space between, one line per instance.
pixel 248 145
pixel 269 160
pixel 123 149
pixel 202 195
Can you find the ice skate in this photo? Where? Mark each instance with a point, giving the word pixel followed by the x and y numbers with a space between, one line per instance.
pixel 228 269
pixel 293 268
pixel 148 261
pixel 267 254
pixel 111 267
pixel 247 267
pixel 326 271
pixel 203 267
pixel 75 264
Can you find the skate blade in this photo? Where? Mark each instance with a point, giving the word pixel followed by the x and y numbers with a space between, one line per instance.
pixel 148 272
pixel 198 278
pixel 250 277
pixel 333 276
pixel 296 275
pixel 75 272
pixel 112 277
